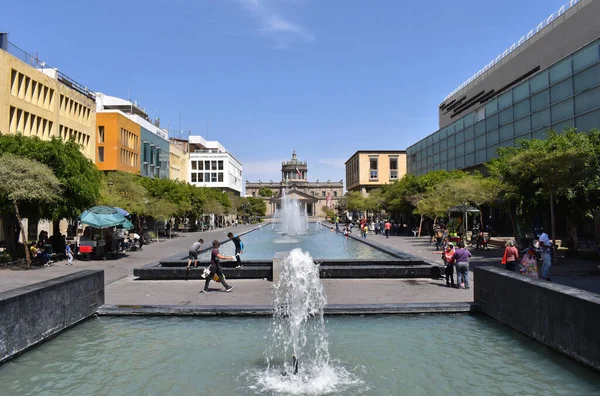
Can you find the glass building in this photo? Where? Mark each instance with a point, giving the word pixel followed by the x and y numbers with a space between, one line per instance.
pixel 533 90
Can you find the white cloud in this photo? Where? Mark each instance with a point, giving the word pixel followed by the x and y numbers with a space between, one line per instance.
pixel 336 163
pixel 275 26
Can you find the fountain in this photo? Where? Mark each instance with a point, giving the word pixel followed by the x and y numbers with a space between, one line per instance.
pixel 318 226
pixel 290 219
pixel 297 352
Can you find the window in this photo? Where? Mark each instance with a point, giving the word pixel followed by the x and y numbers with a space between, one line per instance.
pixel 220 165
pixel 562 110
pixel 587 100
pixel 220 176
pixel 194 165
pixel 587 79
pixel 194 178
pixel 206 177
pixel 505 100
pixel 335 193
pixel 372 167
pixel 560 70
pixel 200 165
pixel 522 126
pixel 585 57
pixel 393 168
pixel 491 123
pixel 206 165
pixel 540 119
pixel 100 134
pixel 213 165
pixel 213 177
pixel 200 178
pixel 505 116
pixel 540 100
pixel 100 154
pixel 539 82
pixel 561 91
pixel 491 108
pixel 521 109
pixel 323 193
pixel 253 193
pixel 588 121
pixel 521 92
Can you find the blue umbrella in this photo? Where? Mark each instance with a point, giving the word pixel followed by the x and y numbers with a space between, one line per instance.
pixel 122 211
pixel 102 217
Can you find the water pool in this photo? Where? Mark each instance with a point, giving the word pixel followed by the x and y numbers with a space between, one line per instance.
pixel 262 244
pixel 383 355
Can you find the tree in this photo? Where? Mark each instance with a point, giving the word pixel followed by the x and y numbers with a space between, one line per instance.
pixel 25 180
pixel 265 192
pixel 123 190
pixel 256 206
pixel 328 212
pixel 355 201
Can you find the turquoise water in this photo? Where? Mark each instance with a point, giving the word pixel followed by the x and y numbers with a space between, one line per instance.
pixel 263 243
pixel 383 355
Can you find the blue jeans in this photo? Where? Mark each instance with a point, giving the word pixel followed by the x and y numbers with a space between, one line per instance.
pixel 462 273
pixel 546 264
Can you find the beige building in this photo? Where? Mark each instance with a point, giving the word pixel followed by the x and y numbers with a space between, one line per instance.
pixel 313 196
pixel 36 100
pixel 367 170
pixel 179 159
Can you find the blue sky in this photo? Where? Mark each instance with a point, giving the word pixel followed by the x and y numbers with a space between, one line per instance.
pixel 323 77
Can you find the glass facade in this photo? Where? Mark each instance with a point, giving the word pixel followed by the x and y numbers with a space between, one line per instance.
pixel 567 94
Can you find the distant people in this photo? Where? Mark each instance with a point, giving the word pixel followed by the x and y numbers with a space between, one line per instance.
pixel 461 260
pixel 215 268
pixel 388 227
pixel 193 253
pixel 346 232
pixel 512 255
pixel 448 258
pixel 235 224
pixel 239 248
pixel 546 252
pixel 529 263
pixel 439 234
pixel 337 222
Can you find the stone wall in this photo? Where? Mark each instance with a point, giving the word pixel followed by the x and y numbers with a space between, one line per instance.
pixel 562 317
pixel 34 313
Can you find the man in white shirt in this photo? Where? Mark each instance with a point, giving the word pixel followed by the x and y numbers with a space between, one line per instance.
pixel 546 252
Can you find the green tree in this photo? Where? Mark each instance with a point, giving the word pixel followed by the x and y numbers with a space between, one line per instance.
pixel 123 190
pixel 256 206
pixel 355 201
pixel 24 180
pixel 265 192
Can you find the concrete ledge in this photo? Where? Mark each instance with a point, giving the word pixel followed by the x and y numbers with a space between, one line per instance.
pixel 31 314
pixel 267 310
pixel 562 317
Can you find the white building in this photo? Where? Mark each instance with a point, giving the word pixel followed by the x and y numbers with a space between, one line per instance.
pixel 211 165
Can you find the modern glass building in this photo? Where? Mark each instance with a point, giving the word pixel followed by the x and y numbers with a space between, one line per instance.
pixel 550 79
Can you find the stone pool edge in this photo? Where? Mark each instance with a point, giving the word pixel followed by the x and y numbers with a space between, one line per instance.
pixel 267 310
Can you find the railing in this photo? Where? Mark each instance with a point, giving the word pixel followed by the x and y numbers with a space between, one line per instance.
pixel 35 62
pixel 515 45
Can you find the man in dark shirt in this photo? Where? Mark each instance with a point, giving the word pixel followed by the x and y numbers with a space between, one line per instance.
pixel 239 248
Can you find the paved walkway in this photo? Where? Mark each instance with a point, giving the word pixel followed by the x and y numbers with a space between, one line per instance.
pixel 123 289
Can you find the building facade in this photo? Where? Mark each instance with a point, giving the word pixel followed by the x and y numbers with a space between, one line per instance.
pixel 36 100
pixel 367 170
pixel 313 196
pixel 118 142
pixel 549 79
pixel 211 165
pixel 179 159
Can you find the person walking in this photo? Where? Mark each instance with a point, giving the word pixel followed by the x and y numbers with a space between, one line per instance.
pixel 546 252
pixel 388 227
pixel 511 255
pixel 215 268
pixel 69 253
pixel 239 248
pixel 193 253
pixel 448 257
pixel 461 258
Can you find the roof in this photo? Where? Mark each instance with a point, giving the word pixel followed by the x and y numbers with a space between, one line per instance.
pixel 376 152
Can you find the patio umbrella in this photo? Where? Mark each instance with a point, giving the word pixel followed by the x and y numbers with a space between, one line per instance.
pixel 127 225
pixel 122 211
pixel 102 217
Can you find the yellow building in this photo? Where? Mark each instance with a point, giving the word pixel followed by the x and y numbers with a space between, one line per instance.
pixel 41 101
pixel 179 159
pixel 118 142
pixel 367 170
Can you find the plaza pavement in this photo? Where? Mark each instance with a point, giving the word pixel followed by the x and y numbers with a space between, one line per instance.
pixel 123 289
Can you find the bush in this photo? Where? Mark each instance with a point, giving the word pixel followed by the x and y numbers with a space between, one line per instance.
pixel 5 258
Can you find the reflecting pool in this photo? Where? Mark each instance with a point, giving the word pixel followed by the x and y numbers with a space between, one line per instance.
pixel 373 355
pixel 262 244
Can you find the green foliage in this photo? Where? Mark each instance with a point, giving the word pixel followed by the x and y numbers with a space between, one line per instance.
pixel 80 179
pixel 25 180
pixel 123 190
pixel 354 201
pixel 330 213
pixel 265 192
pixel 256 206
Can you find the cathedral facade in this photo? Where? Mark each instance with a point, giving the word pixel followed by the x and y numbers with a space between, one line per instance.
pixel 313 196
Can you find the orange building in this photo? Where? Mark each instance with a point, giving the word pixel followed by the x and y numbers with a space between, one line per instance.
pixel 117 142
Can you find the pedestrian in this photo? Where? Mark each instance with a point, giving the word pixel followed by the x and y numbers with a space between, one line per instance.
pixel 215 268
pixel 546 252
pixel 461 260
pixel 511 254
pixel 193 253
pixel 448 257
pixel 69 253
pixel 388 227
pixel 439 235
pixel 239 248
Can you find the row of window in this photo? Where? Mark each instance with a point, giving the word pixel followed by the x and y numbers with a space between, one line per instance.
pixel 207 165
pixel 29 124
pixel 67 133
pixel 74 110
pixel 30 90
pixel 208 177
pixel 374 172
pixel 129 158
pixel 313 193
pixel 129 139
